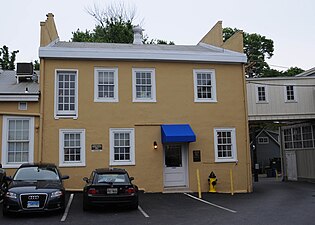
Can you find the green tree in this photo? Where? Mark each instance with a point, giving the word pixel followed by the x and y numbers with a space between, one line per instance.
pixel 114 25
pixel 36 65
pixel 7 59
pixel 257 48
pixel 292 71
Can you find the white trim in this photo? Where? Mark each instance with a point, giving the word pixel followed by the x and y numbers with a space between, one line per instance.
pixel 266 93
pixel 96 97
pixel 286 94
pixel 153 85
pixel 56 115
pixel 213 86
pixel 61 148
pixel 112 161
pixel 5 127
pixel 114 52
pixel 19 98
pixel 233 158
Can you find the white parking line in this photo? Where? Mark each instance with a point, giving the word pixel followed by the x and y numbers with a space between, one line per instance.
pixel 143 212
pixel 64 217
pixel 209 203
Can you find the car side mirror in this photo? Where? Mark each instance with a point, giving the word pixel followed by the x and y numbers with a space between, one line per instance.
pixel 65 177
pixel 131 178
pixel 86 179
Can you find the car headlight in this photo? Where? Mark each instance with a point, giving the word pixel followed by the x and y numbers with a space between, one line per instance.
pixel 10 194
pixel 56 194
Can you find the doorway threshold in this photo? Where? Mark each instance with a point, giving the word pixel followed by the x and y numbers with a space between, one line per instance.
pixel 168 190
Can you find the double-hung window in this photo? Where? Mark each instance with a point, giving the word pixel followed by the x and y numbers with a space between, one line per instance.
pixel 261 94
pixel 71 147
pixel 17 141
pixel 204 85
pixel 106 85
pixel 290 93
pixel 225 145
pixel 122 146
pixel 66 93
pixel 143 85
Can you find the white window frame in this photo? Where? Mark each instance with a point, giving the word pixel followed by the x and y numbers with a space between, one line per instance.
pixel 22 105
pixel 233 158
pixel 213 86
pixel 5 127
pixel 286 93
pixel 153 85
pixel 263 140
pixel 266 94
pixel 96 74
pixel 112 160
pixel 61 114
pixel 62 163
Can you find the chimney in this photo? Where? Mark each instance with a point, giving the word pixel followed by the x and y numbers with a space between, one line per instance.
pixel 137 35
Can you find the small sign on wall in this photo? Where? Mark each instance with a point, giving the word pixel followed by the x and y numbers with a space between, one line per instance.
pixel 96 147
pixel 196 156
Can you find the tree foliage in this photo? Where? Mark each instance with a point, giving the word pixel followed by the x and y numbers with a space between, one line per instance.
pixel 7 59
pixel 114 25
pixel 257 48
pixel 36 65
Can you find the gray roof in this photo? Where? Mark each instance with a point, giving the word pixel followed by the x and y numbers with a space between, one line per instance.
pixel 307 73
pixel 87 50
pixel 9 85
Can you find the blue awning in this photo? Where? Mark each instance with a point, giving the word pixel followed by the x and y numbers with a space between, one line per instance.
pixel 177 133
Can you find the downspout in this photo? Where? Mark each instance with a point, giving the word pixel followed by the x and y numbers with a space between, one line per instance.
pixel 41 115
pixel 248 162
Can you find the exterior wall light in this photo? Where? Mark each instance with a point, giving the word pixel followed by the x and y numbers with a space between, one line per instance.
pixel 155 145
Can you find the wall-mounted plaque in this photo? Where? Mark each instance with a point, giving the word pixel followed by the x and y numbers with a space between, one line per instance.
pixel 96 147
pixel 196 156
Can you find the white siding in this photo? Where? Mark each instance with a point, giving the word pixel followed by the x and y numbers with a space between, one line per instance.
pixel 277 107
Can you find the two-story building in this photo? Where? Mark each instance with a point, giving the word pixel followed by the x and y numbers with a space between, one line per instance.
pixel 160 111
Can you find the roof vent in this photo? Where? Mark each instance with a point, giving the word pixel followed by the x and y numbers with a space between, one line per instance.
pixel 137 35
pixel 24 71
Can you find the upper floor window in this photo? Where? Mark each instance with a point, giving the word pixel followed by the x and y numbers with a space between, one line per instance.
pixel 261 94
pixel 225 145
pixel 143 85
pixel 66 93
pixel 17 141
pixel 204 86
pixel 106 85
pixel 71 147
pixel 263 140
pixel 290 93
pixel 122 147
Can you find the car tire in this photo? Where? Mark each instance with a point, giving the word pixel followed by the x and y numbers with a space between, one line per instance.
pixel 135 206
pixel 5 212
pixel 86 207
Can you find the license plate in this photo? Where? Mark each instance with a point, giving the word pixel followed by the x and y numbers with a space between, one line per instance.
pixel 111 191
pixel 32 204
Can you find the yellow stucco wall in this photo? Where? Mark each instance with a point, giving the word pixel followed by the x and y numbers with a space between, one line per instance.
pixel 11 109
pixel 175 104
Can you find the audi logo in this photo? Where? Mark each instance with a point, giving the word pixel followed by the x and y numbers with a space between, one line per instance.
pixel 33 197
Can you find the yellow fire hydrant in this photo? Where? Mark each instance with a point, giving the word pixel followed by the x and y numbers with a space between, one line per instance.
pixel 212 182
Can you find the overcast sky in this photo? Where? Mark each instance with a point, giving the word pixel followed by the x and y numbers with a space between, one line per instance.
pixel 289 23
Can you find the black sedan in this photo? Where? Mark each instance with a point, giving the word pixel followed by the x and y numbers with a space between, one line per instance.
pixel 35 188
pixel 110 187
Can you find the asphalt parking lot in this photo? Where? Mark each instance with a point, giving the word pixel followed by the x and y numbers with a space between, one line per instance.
pixel 272 202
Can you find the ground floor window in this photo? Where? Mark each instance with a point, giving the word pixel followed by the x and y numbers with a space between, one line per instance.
pixel 225 145
pixel 122 147
pixel 17 141
pixel 72 147
pixel 299 137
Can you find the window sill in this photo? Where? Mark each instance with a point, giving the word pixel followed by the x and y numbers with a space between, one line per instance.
pixel 71 164
pixel 205 101
pixel 226 160
pixel 12 166
pixel 105 100
pixel 144 100
pixel 65 117
pixel 122 163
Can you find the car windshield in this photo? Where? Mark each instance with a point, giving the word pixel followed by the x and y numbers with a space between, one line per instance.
pixel 111 178
pixel 36 173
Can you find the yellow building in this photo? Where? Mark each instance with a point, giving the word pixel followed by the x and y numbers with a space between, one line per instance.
pixel 19 116
pixel 160 111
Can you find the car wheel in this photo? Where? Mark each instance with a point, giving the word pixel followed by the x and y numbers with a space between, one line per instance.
pixel 134 206
pixel 5 212
pixel 86 206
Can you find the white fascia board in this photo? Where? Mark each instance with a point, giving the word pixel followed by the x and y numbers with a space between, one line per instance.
pixel 19 98
pixel 97 53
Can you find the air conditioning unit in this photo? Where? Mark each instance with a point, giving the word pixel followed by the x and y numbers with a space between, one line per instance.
pixel 24 71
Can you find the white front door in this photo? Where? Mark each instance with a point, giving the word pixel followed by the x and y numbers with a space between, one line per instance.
pixel 175 165
pixel 291 165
